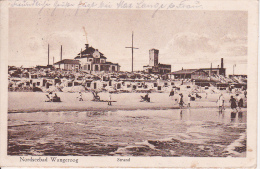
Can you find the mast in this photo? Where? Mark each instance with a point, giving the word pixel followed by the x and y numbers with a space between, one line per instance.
pixel 48 54
pixel 132 51
pixel 132 47
pixel 61 53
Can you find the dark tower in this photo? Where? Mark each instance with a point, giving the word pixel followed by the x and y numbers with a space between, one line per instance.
pixel 153 57
pixel 222 63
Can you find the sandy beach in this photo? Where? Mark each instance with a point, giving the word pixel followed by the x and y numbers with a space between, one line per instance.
pixel 35 101
pixel 126 128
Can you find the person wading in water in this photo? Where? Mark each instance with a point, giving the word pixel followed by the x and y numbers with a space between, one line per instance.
pixel 233 103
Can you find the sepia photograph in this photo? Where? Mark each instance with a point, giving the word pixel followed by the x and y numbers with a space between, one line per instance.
pixel 127 83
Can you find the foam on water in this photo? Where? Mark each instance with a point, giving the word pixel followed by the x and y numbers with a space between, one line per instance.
pixel 237 143
pixel 199 132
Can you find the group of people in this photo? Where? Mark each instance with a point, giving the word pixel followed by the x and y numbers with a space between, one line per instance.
pixel 236 102
pixel 191 97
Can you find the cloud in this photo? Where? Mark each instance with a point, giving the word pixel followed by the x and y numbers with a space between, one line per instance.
pixel 233 45
pixel 234 51
pixel 190 43
pixel 188 48
pixel 233 39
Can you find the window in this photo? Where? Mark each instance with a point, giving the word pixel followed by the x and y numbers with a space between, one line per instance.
pixel 118 86
pixel 96 67
pixel 85 67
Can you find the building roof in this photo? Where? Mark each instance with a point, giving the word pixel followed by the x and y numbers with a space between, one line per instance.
pixel 110 63
pixel 154 49
pixel 39 66
pixel 159 66
pixel 185 71
pixel 67 61
pixel 212 68
pixel 88 53
pixel 164 65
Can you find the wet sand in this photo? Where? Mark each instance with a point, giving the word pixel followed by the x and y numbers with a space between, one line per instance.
pixel 35 101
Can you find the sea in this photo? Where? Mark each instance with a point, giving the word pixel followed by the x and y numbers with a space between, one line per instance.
pixel 202 132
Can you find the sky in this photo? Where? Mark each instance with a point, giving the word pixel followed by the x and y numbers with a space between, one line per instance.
pixel 185 39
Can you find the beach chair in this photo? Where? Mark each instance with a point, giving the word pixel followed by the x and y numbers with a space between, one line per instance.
pixel 145 98
pixel 192 98
pixel 49 99
pixel 198 96
pixel 56 99
pixel 95 96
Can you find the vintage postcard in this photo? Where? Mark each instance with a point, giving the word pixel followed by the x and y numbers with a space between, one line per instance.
pixel 140 83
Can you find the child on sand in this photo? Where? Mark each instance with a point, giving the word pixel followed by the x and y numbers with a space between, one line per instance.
pixel 80 96
pixel 171 93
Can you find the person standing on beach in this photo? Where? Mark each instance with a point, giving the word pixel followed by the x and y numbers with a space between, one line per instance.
pixel 240 101
pixel 51 96
pixel 233 103
pixel 245 93
pixel 220 102
pixel 181 102
pixel 189 98
pixel 230 89
pixel 110 99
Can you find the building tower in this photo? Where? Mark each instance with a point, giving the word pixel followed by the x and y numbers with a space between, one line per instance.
pixel 222 70
pixel 153 57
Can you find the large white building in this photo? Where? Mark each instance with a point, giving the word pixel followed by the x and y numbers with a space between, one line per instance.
pixel 92 59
